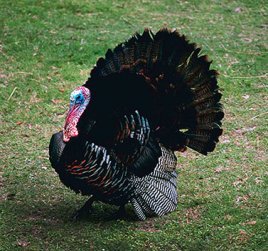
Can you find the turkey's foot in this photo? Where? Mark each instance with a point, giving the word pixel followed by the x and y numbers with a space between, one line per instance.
pixel 84 210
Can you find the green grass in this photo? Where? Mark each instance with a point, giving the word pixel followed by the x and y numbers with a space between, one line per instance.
pixel 47 48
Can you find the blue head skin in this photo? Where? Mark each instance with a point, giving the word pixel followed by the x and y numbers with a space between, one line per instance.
pixel 79 100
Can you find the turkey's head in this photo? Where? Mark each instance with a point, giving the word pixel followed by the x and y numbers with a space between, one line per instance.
pixel 79 100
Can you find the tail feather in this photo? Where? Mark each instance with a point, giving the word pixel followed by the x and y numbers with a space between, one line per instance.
pixel 144 46
pixel 186 90
pixel 138 208
pixel 144 204
pixel 156 193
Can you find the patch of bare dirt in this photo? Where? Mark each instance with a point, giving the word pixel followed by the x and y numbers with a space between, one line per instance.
pixel 39 216
pixel 221 169
pixel 242 199
pixel 148 226
pixel 240 181
pixel 1 179
pixel 252 222
pixel 243 236
pixel 23 243
pixel 193 214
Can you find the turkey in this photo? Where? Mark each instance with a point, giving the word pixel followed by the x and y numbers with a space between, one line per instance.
pixel 147 98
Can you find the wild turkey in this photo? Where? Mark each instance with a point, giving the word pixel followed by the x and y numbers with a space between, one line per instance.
pixel 150 96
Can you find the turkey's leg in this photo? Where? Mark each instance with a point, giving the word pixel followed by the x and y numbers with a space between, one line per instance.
pixel 84 210
pixel 121 213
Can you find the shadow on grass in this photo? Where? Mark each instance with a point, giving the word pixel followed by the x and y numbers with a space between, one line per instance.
pixel 39 226
pixel 60 212
pixel 44 225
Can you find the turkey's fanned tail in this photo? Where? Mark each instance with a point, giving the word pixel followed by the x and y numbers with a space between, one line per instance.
pixel 187 111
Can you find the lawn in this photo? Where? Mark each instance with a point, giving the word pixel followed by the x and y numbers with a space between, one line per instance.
pixel 47 48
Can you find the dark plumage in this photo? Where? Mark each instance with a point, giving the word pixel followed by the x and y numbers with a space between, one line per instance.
pixel 149 97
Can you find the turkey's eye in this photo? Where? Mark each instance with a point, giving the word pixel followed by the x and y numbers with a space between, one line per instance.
pixel 79 98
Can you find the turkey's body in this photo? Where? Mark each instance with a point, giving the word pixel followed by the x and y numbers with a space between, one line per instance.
pixel 149 97
pixel 93 171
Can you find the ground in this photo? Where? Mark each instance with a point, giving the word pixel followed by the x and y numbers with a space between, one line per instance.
pixel 47 48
